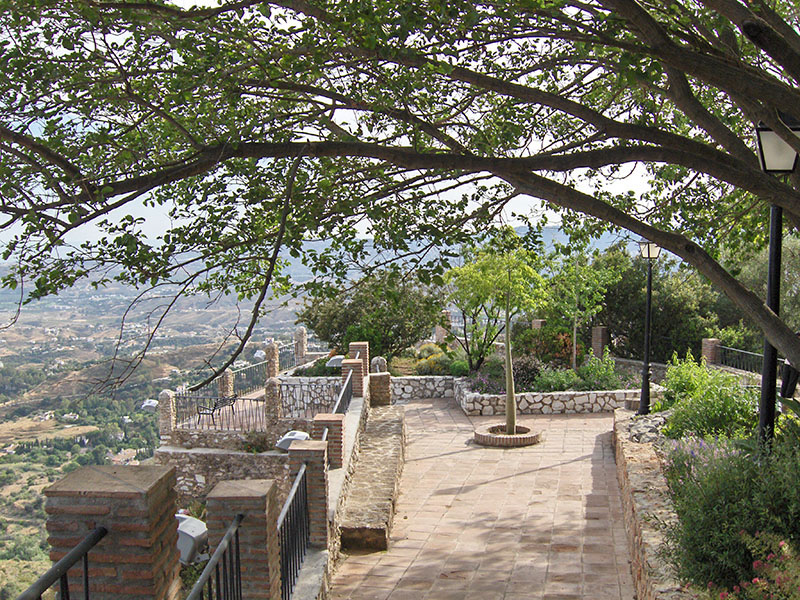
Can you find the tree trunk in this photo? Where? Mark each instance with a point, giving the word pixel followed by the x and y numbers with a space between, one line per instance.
pixel 575 344
pixel 511 403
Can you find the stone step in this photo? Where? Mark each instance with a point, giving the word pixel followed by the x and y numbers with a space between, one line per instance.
pixel 369 506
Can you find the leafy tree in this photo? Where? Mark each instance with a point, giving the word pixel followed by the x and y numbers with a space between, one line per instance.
pixel 683 306
pixel 257 126
pixel 752 271
pixel 499 282
pixel 577 288
pixel 389 311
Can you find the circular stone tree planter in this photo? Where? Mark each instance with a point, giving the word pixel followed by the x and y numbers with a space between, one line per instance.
pixel 496 436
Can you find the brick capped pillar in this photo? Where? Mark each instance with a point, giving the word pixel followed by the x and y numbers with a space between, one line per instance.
pixel 362 349
pixel 380 389
pixel 166 413
pixel 300 345
pixel 273 407
pixel 273 361
pixel 351 364
pixel 138 558
pixel 538 323
pixel 315 454
pixel 225 383
pixel 335 425
pixel 259 545
pixel 600 340
pixel 710 350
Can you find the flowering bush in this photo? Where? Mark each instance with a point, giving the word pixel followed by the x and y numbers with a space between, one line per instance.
pixel 777 572
pixel 722 495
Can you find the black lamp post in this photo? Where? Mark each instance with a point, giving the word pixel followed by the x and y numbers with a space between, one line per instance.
pixel 649 251
pixel 775 156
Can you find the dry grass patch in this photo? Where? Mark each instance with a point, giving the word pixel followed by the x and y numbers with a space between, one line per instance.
pixel 27 429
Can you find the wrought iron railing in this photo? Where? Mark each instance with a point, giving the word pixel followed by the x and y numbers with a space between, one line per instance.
pixel 249 379
pixel 345 396
pixel 221 578
pixel 294 532
pixel 741 359
pixel 198 410
pixel 286 357
pixel 58 572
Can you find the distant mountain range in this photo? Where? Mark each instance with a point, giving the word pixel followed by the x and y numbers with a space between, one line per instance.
pixel 550 236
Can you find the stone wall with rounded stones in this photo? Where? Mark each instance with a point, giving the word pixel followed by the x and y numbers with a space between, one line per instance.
pixel 421 386
pixel 538 403
pixel 302 396
pixel 198 470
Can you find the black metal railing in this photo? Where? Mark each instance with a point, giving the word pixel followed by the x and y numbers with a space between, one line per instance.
pixel 342 403
pixel 221 579
pixel 294 532
pixel 249 379
pixel 741 359
pixel 206 411
pixel 58 572
pixel 286 357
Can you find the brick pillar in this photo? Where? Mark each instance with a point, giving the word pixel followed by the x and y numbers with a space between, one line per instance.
pixel 335 425
pixel 273 407
pixel 710 350
pixel 273 362
pixel 225 384
pixel 362 349
pixel 138 558
pixel 315 454
pixel 380 389
pixel 350 364
pixel 166 413
pixel 300 345
pixel 538 323
pixel 259 545
pixel 600 339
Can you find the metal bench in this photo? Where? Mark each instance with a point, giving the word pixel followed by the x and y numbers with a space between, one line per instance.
pixel 218 405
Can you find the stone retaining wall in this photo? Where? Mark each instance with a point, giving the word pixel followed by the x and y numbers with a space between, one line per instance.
pixel 539 403
pixel 304 395
pixel 644 498
pixel 421 386
pixel 198 470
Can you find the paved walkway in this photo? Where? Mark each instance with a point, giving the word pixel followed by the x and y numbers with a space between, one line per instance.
pixel 537 523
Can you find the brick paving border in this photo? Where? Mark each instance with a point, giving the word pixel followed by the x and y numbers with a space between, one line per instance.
pixel 536 523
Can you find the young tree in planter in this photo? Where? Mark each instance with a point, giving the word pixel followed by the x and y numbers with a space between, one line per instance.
pixel 499 283
pixel 577 288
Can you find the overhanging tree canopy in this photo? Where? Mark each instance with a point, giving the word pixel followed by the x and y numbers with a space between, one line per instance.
pixel 389 112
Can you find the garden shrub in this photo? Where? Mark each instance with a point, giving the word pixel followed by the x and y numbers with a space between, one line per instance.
pixel 494 367
pixel 434 364
pixel 707 402
pixel 721 495
pixel 526 369
pixel 427 350
pixel 683 379
pixel 318 369
pixel 459 368
pixel 550 344
pixel 598 374
pixel 777 568
pixel 555 380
